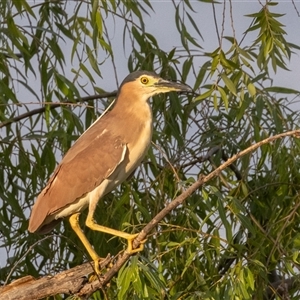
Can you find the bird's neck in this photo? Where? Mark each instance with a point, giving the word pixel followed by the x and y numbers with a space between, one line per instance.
pixel 134 113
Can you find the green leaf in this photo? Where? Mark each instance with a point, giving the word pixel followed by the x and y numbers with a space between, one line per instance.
pixel 123 281
pixel 224 219
pixel 281 90
pixel 251 88
pixel 186 68
pixel 201 75
pixel 223 96
pixel 203 96
pixel 230 85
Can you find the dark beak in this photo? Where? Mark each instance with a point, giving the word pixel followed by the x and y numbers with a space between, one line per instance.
pixel 173 86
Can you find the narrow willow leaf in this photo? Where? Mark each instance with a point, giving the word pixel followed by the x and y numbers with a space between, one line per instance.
pixel 230 85
pixel 223 96
pixel 281 90
pixel 215 101
pixel 251 88
pixel 203 96
pixel 214 64
pixel 224 219
pixel 186 68
pixel 201 75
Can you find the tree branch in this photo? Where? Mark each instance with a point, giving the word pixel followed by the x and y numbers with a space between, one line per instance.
pixel 86 289
pixel 55 105
pixel 91 287
pixel 281 287
pixel 67 282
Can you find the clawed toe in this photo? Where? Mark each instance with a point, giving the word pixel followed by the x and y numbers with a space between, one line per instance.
pixel 130 240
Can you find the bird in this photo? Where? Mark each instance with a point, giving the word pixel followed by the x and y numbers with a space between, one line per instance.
pixel 103 157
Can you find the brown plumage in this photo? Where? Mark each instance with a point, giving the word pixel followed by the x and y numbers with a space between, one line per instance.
pixel 103 157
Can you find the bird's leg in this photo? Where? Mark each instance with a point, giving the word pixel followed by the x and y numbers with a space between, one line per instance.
pixel 90 222
pixel 74 221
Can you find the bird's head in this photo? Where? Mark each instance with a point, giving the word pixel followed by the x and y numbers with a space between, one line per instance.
pixel 144 84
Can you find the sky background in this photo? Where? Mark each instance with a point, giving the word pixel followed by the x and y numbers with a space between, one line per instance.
pixel 160 23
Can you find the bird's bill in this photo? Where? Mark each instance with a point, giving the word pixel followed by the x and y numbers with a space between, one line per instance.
pixel 172 86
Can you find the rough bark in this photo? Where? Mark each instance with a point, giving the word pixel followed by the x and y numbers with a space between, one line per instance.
pixel 67 282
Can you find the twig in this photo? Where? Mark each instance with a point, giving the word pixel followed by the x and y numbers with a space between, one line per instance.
pixel 54 105
pixel 281 287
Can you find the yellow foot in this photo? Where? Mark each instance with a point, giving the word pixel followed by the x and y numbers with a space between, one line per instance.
pixel 99 265
pixel 130 238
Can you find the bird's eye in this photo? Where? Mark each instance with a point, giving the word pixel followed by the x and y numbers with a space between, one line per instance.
pixel 144 80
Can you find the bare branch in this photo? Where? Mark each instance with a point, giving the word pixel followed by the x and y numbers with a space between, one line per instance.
pixel 54 105
pixel 66 282
pixel 295 7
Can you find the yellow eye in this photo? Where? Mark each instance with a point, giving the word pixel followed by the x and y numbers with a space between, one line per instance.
pixel 144 80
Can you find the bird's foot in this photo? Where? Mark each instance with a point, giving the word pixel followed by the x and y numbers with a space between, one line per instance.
pixel 97 266
pixel 130 238
pixel 100 264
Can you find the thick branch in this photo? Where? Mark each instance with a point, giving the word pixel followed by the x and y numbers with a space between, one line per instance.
pixel 87 289
pixel 66 282
pixel 54 105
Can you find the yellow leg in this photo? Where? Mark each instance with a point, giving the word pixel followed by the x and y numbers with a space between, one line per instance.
pixel 93 200
pixel 129 237
pixel 74 221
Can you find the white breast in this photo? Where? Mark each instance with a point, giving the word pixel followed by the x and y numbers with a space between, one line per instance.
pixel 138 148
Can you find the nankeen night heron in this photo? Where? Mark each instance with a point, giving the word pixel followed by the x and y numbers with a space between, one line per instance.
pixel 102 158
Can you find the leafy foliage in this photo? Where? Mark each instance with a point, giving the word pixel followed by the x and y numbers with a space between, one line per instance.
pixel 237 237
